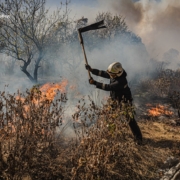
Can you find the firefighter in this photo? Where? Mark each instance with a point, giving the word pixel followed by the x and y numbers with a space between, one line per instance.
pixel 119 90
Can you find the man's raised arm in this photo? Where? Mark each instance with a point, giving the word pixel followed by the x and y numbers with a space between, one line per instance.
pixel 97 72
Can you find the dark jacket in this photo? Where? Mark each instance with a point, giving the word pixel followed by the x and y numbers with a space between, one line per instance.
pixel 118 86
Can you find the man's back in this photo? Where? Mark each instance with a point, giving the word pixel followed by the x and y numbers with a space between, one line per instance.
pixel 121 89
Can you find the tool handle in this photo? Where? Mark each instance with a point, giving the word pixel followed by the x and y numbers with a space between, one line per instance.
pixel 80 36
pixel 85 58
pixel 83 49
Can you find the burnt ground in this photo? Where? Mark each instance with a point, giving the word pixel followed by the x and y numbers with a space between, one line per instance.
pixel 164 137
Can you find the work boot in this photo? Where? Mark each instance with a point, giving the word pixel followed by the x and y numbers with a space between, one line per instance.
pixel 136 131
pixel 138 141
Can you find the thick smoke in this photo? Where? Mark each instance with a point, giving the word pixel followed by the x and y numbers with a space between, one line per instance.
pixel 133 12
pixel 12 78
pixel 156 22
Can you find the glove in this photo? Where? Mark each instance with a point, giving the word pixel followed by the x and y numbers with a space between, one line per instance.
pixel 88 67
pixel 92 81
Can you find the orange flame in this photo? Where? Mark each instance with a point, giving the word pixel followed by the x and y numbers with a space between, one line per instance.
pixel 49 90
pixel 159 110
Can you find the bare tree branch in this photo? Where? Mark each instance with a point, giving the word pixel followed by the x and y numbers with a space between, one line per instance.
pixel 29 31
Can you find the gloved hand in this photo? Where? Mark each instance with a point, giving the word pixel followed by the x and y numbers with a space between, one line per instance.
pixel 92 81
pixel 88 67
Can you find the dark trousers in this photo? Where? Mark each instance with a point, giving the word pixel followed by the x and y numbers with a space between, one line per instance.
pixel 135 129
pixel 132 122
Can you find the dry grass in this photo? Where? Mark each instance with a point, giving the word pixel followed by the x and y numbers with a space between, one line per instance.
pixel 165 83
pixel 28 143
pixel 103 146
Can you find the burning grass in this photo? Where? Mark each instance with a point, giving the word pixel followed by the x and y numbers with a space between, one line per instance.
pixel 159 110
pixel 165 83
pixel 28 142
pixel 160 94
pixel 102 148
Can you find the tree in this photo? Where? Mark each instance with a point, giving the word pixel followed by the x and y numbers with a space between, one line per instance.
pixel 30 31
pixel 115 25
pixel 116 28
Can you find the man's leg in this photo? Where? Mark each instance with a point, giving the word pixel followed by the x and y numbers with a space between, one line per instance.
pixel 132 122
pixel 135 130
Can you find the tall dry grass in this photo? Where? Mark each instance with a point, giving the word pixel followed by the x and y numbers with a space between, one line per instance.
pixel 102 148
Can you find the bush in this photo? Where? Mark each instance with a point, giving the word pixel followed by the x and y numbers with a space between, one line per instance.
pixel 29 142
pixel 102 148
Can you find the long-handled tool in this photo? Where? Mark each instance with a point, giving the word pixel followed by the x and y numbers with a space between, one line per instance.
pixel 95 26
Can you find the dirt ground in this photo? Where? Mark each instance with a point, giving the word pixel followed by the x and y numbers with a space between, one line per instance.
pixel 161 139
pixel 163 136
pixel 160 133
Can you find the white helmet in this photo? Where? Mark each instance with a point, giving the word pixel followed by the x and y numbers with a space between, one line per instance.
pixel 115 69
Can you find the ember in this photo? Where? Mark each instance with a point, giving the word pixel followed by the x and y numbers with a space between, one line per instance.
pixel 158 110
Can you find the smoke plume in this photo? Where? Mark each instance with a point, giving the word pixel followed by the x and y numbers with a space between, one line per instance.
pixel 157 22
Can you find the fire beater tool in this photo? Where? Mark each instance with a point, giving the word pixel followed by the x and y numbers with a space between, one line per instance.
pixel 95 26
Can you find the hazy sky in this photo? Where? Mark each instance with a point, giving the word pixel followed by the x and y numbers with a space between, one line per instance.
pixel 76 2
pixel 157 22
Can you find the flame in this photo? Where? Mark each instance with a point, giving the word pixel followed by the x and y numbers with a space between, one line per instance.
pixel 49 90
pixel 158 110
pixel 20 98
